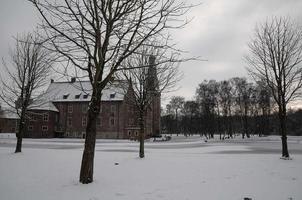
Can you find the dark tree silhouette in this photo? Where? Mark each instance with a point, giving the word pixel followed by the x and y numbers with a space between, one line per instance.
pixel 276 56
pixel 97 36
pixel 149 72
pixel 27 71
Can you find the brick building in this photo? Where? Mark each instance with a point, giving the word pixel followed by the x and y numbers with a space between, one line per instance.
pixel 62 112
pixel 8 121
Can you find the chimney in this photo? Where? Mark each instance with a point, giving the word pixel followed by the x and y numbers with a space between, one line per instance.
pixel 52 81
pixel 73 79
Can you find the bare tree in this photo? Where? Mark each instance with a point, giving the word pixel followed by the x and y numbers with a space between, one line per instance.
pixel 226 101
pixel 276 56
pixel 177 103
pixel 207 98
pixel 264 107
pixel 243 91
pixel 149 72
pixel 190 111
pixel 97 36
pixel 26 74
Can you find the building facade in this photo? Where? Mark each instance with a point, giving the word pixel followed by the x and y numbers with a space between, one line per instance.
pixel 8 121
pixel 62 112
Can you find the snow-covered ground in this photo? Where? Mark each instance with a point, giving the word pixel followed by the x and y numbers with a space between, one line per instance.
pixel 7 135
pixel 181 169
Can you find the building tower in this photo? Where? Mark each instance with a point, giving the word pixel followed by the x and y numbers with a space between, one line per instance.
pixel 153 114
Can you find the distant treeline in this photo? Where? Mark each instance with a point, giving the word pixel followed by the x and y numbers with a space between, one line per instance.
pixel 226 108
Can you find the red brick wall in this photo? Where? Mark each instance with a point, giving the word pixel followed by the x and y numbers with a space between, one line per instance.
pixel 8 125
pixel 117 120
pixel 36 122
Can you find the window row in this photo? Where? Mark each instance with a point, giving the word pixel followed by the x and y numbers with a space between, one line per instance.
pixel 85 108
pixel 34 117
pixel 44 128
pixel 112 121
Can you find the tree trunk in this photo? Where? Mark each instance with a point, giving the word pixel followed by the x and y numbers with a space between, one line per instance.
pixel 141 135
pixel 282 119
pixel 242 126
pixel 20 132
pixel 20 135
pixel 246 121
pixel 86 174
pixel 19 143
pixel 176 123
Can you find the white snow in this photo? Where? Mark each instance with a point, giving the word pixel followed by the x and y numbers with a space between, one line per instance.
pixel 181 169
pixel 7 135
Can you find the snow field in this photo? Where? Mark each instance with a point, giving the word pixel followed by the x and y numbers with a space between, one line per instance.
pixel 173 173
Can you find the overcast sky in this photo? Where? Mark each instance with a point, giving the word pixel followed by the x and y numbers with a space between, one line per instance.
pixel 219 32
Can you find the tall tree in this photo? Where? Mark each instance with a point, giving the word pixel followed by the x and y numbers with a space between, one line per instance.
pixel 243 91
pixel 177 103
pixel 149 73
pixel 206 95
pixel 264 106
pixel 276 56
pixel 26 74
pixel 190 111
pixel 97 36
pixel 226 101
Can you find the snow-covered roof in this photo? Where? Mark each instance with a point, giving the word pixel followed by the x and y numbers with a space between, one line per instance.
pixel 78 91
pixel 8 113
pixel 43 104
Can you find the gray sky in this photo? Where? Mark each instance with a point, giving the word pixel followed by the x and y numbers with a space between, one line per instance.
pixel 218 33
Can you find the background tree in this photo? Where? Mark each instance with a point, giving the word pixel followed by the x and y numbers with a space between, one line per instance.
pixel 97 36
pixel 26 73
pixel 190 112
pixel 264 106
pixel 243 91
pixel 167 120
pixel 206 96
pixel 176 104
pixel 149 73
pixel 276 56
pixel 226 101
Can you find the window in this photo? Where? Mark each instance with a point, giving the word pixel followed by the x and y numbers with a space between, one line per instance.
pixel 16 124
pixel 70 108
pixel 85 96
pixel 75 134
pixel 136 133
pixel 44 128
pixel 130 109
pixel 30 128
pixel 69 121
pixel 84 108
pixel 46 117
pixel 112 121
pixel 129 133
pixel 83 135
pixel 99 121
pixel 84 121
pixel 112 95
pixel 65 96
pixel 33 117
pixel 113 108
pixel 77 96
pixel 131 121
